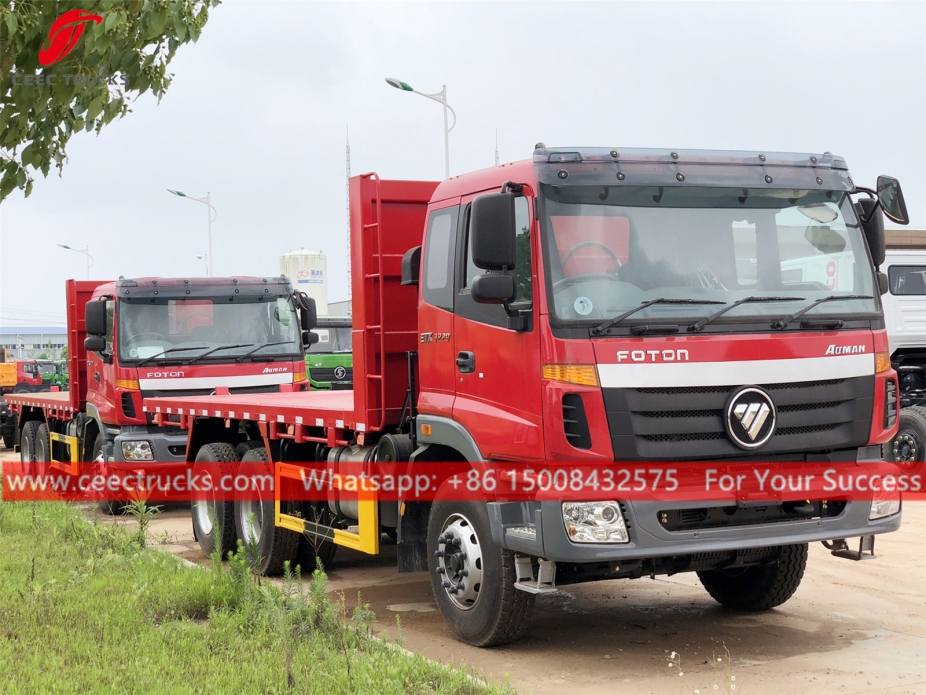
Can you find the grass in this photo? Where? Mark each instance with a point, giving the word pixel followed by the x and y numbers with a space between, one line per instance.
pixel 84 608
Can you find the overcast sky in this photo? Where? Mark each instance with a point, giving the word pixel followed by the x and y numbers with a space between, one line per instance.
pixel 259 106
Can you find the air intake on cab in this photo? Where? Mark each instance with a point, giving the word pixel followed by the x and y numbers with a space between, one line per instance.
pixel 575 424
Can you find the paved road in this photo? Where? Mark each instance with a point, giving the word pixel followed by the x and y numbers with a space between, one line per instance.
pixel 851 627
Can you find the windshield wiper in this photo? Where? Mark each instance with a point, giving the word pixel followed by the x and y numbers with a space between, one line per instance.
pixel 610 323
pixel 780 324
pixel 698 325
pixel 261 347
pixel 164 352
pixel 196 359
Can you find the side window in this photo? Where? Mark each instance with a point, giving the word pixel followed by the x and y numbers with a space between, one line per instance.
pixel 494 314
pixel 907 279
pixel 438 258
pixel 522 271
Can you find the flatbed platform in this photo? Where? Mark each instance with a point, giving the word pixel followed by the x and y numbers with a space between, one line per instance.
pixel 328 409
pixel 53 403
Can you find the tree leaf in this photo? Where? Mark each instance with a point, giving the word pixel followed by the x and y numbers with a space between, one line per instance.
pixel 111 20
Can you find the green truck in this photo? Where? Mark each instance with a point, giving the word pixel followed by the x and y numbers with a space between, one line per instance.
pixel 329 362
pixel 53 373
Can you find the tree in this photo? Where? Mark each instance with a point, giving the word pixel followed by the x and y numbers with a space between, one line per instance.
pixel 70 66
pixel 64 352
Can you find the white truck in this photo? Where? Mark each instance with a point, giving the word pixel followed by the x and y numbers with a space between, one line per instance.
pixel 904 304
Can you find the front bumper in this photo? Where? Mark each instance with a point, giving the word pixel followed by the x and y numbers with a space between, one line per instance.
pixel 168 447
pixel 650 539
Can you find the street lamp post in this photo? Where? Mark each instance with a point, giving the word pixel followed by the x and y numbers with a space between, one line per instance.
pixel 85 251
pixel 209 219
pixel 441 98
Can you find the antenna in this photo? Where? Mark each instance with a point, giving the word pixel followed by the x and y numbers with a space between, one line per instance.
pixel 347 198
pixel 496 147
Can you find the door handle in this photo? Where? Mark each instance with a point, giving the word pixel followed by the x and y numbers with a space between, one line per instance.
pixel 466 362
pixel 96 375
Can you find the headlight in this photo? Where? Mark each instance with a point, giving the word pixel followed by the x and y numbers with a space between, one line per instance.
pixel 883 508
pixel 594 522
pixel 137 451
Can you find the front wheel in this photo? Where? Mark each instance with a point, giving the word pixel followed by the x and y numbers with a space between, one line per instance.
pixel 758 588
pixel 908 448
pixel 473 578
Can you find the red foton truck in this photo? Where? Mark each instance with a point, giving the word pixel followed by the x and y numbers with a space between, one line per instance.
pixel 587 306
pixel 132 339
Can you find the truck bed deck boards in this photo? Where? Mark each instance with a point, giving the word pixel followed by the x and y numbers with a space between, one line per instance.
pixel 47 400
pixel 308 408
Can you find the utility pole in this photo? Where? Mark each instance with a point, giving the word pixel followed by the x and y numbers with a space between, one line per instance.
pixel 347 198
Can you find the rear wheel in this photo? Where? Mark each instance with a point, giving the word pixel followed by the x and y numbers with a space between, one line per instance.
pixel 213 515
pixel 908 448
pixel 9 440
pixel 758 588
pixel 267 546
pixel 42 446
pixel 27 446
pixel 473 578
pixel 245 447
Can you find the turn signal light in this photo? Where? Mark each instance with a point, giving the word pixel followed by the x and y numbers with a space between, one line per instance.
pixel 131 384
pixel 882 362
pixel 298 377
pixel 579 374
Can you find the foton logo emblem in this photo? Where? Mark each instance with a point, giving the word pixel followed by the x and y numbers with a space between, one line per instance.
pixel 274 370
pixel 845 350
pixel 163 375
pixel 652 355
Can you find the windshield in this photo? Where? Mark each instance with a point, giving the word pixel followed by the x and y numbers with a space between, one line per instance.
pixel 183 329
pixel 331 340
pixel 47 368
pixel 611 249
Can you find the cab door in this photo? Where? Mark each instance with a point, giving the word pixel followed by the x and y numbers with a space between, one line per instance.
pixel 101 372
pixel 497 369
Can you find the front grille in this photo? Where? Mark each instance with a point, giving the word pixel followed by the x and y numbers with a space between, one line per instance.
pixel 327 374
pixel 681 423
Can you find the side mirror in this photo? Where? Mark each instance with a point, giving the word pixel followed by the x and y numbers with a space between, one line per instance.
pixel 493 289
pixel 411 266
pixel 309 338
pixel 891 198
pixel 95 343
pixel 492 227
pixel 308 316
pixel 867 209
pixel 95 318
pixel 882 282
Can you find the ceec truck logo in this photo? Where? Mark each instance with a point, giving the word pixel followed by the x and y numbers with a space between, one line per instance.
pixel 64 35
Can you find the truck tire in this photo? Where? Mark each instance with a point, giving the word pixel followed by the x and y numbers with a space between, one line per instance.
pixel 758 588
pixel 42 448
pixel 9 439
pixel 27 446
pixel 908 448
pixel 108 507
pixel 245 447
pixel 481 606
pixel 254 521
pixel 211 514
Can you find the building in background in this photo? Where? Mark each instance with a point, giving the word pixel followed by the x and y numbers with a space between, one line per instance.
pixel 308 271
pixel 28 343
pixel 339 308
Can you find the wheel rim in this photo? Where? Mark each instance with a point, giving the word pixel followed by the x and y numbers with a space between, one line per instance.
pixel 205 510
pixel 25 450
pixel 459 561
pixel 252 519
pixel 906 447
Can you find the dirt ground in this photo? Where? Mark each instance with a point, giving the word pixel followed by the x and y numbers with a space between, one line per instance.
pixel 852 627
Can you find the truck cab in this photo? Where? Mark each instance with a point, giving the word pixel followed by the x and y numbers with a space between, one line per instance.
pixel 329 362
pixel 150 337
